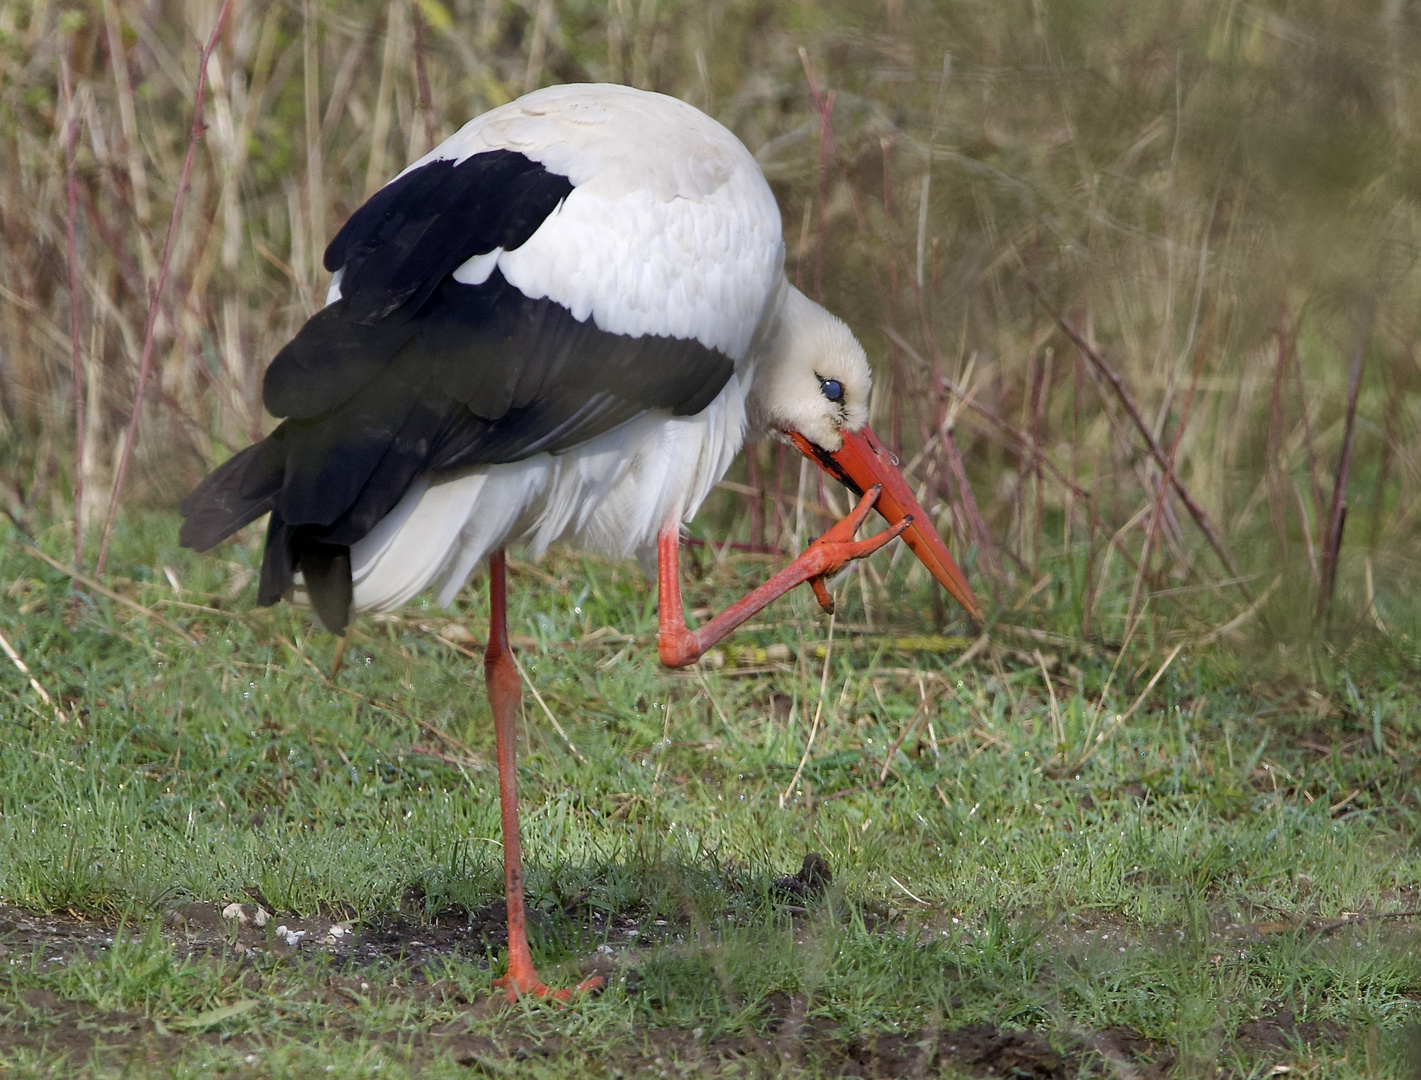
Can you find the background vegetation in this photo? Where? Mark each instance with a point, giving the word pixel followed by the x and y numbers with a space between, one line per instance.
pixel 1219 199
pixel 1139 282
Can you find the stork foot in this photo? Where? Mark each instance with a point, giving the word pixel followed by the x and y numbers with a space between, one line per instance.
pixel 527 984
pixel 828 555
pixel 837 548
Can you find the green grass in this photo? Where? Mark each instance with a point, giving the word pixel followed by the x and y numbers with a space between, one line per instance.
pixel 1189 877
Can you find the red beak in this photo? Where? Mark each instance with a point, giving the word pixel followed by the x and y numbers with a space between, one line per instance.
pixel 862 462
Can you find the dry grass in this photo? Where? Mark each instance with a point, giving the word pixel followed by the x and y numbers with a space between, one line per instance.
pixel 1217 200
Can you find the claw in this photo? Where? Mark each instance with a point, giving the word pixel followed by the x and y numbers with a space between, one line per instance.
pixel 821 593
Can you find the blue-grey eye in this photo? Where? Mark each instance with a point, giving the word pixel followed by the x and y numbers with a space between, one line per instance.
pixel 833 389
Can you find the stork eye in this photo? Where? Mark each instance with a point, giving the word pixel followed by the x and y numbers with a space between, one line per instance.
pixel 833 389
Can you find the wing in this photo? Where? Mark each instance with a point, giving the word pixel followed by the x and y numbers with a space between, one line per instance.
pixel 482 313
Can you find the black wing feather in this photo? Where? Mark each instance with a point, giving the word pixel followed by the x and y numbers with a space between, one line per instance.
pixel 412 372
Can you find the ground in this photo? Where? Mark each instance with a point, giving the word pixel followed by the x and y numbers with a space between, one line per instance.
pixel 221 859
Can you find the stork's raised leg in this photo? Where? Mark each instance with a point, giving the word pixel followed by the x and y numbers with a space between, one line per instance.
pixel 829 554
pixel 504 693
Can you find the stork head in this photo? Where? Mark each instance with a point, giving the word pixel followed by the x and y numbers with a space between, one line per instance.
pixel 812 389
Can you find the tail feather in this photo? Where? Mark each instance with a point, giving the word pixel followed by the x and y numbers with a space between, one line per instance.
pixel 242 490
pixel 325 570
pixel 235 494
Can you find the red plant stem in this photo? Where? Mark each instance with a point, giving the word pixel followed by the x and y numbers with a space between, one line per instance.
pixel 824 105
pixel 155 294
pixel 1196 511
pixel 731 545
pixel 421 74
pixel 1160 499
pixel 1317 499
pixel 757 502
pixel 826 138
pixel 1277 491
pixel 71 183
pixel 980 533
pixel 1332 545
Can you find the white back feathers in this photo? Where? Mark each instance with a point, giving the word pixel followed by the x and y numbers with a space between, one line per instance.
pixel 670 228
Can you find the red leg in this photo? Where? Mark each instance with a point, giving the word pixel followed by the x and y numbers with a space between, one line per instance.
pixel 679 646
pixel 501 679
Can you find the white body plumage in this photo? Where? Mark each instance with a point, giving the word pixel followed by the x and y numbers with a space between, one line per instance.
pixel 670 230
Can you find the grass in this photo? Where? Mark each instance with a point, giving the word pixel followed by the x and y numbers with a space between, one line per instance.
pixel 1227 856
pixel 1211 772
pixel 1218 201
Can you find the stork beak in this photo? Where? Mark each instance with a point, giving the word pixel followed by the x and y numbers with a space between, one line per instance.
pixel 862 462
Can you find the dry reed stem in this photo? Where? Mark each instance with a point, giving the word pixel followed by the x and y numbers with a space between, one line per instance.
pixel 980 533
pixel 824 106
pixel 1159 502
pixel 1201 519
pixel 156 290
pixel 547 711
pixel 818 711
pixel 71 187
pixel 914 722
pixel 103 590
pixel 1274 465
pixel 1058 729
pixel 34 683
pixel 1115 724
pixel 315 164
pixel 421 69
pixel 128 114
pixel 1314 473
pixel 1242 618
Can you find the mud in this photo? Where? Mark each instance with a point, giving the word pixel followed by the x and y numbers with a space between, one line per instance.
pixel 347 965
pixel 1280 1031
pixel 40 1022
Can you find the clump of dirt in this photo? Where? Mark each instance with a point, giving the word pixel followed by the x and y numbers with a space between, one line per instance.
pixel 40 1022
pixel 1281 1031
pixel 811 881
pixel 1128 1053
pixel 55 938
pixel 980 1049
pixel 472 934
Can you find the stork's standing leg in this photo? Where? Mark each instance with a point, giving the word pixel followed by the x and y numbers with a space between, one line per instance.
pixel 501 679
pixel 679 646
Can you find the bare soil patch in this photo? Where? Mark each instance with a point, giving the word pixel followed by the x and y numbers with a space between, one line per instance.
pixel 394 959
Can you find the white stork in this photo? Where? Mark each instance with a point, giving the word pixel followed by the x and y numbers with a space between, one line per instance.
pixel 561 322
